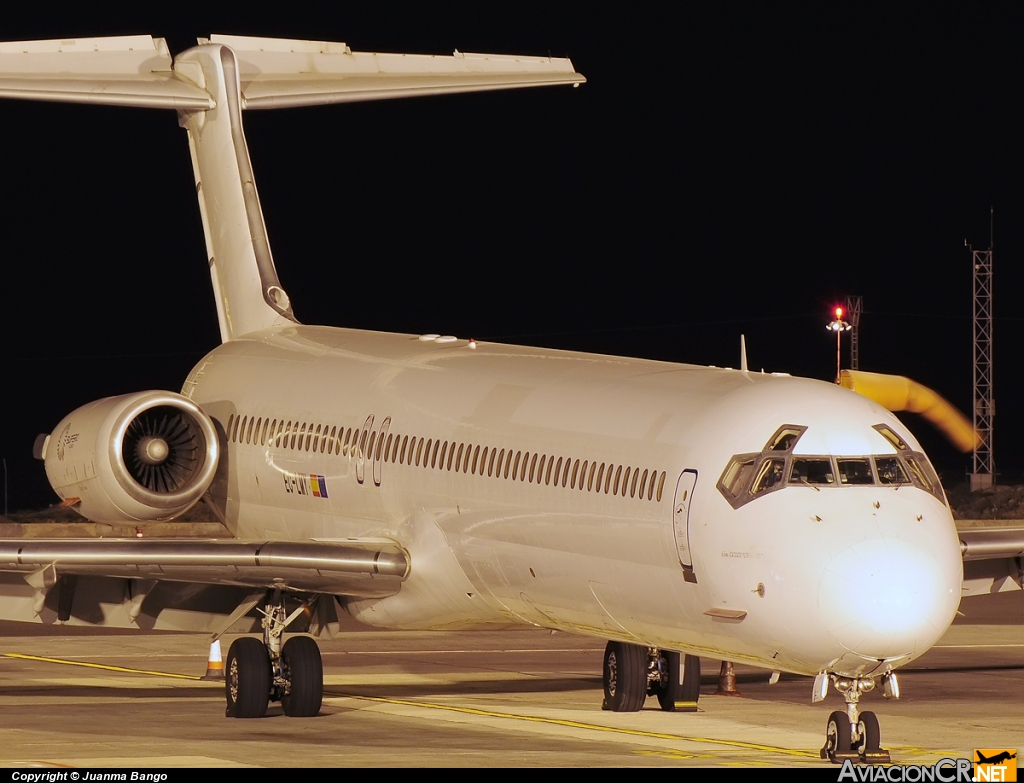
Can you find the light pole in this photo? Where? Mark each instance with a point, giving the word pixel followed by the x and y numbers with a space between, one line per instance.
pixel 838 326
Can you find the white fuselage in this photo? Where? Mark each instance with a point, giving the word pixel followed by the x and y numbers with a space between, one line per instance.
pixel 854 579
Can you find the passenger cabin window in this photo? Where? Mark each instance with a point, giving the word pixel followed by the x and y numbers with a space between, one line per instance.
pixel 556 472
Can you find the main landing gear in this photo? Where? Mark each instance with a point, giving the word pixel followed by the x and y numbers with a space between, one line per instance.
pixel 632 673
pixel 260 672
pixel 854 734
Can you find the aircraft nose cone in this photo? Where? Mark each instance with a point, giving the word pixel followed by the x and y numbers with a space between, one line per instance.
pixel 884 598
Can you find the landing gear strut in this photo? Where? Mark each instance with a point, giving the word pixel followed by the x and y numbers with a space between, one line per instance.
pixel 632 673
pixel 854 734
pixel 257 673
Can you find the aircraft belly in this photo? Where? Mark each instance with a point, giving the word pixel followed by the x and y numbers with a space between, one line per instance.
pixel 586 573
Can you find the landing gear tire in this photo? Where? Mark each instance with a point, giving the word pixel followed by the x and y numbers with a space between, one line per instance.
pixel 870 739
pixel 838 738
pixel 247 679
pixel 304 668
pixel 869 747
pixel 679 688
pixel 625 677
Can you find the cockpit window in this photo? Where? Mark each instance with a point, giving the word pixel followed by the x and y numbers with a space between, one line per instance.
pixel 891 471
pixel 855 471
pixel 769 475
pixel 892 437
pixel 785 438
pixel 737 474
pixel 919 473
pixel 750 476
pixel 817 470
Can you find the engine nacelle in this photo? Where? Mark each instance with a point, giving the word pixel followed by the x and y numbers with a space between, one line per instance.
pixel 144 456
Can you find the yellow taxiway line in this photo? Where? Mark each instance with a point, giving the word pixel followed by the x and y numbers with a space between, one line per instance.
pixel 589 726
pixel 103 666
pixel 597 727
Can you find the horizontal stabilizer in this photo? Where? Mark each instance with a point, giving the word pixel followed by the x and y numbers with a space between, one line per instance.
pixel 134 70
pixel 276 73
pixel 137 70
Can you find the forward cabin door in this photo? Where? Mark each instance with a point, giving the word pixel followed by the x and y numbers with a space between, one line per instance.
pixel 681 521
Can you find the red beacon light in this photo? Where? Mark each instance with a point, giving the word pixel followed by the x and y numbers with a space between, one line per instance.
pixel 838 326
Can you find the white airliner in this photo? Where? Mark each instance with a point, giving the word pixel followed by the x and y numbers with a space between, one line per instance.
pixel 425 481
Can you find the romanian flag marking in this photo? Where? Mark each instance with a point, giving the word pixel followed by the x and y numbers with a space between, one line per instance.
pixel 319 485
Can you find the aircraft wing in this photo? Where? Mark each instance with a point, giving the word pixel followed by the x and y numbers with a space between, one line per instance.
pixel 993 559
pixel 273 73
pixel 189 584
pixel 357 568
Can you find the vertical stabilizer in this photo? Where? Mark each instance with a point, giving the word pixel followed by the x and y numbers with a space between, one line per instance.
pixel 245 283
pixel 211 84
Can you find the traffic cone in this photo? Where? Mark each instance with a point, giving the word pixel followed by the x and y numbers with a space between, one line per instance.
pixel 215 665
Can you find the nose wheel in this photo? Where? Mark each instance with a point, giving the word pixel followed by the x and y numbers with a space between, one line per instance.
pixel 853 734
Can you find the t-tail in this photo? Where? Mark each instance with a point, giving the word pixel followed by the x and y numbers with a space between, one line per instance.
pixel 210 85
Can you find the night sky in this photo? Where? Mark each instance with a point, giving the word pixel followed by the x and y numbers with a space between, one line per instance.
pixel 726 169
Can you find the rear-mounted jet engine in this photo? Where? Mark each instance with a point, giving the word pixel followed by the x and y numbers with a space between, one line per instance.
pixel 144 456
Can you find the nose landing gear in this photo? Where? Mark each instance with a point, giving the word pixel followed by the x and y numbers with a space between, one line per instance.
pixel 854 734
pixel 291 673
